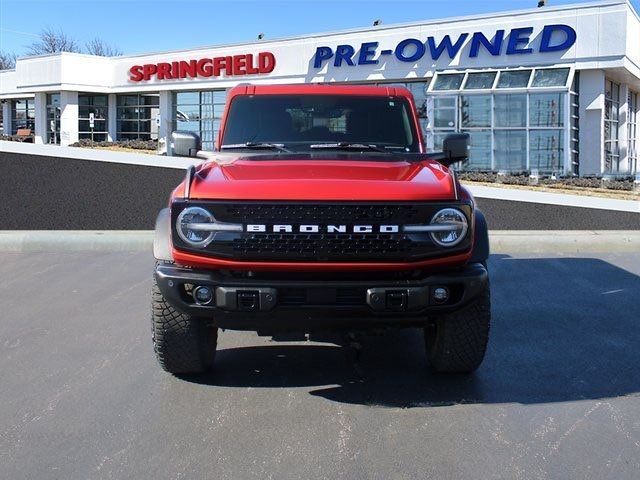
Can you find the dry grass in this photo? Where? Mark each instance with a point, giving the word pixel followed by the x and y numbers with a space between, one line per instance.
pixel 589 192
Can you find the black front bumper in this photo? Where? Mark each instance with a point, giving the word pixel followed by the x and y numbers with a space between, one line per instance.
pixel 273 304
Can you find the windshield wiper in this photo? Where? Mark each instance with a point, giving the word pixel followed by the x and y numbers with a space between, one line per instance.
pixel 348 146
pixel 256 146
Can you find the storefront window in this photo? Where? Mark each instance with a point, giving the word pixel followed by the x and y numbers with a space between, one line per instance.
pixel 200 112
pixel 23 115
pixel 546 109
pixel 53 118
pixel 475 111
pixel 546 150
pixel 510 110
pixel 510 150
pixel 136 116
pixel 612 127
pixel 444 112
pixel 480 154
pixel 633 132
pixel 550 77
pixel 481 80
pixel 514 79
pixel 448 81
pixel 96 104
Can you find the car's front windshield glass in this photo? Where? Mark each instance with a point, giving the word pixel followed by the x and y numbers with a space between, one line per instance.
pixel 299 123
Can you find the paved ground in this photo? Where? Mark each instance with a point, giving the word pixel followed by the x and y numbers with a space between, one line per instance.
pixel 81 396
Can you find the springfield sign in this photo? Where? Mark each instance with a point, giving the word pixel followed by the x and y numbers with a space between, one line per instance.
pixel 554 38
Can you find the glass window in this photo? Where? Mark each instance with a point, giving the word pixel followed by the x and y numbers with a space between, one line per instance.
pixel 546 150
pixel 633 131
pixel 480 80
pixel 510 110
pixel 96 104
pixel 510 150
pixel 448 81
pixel 136 116
pixel 200 112
pixel 475 111
pixel 480 150
pixel 23 115
pixel 444 114
pixel 514 79
pixel 53 118
pixel 611 127
pixel 298 121
pixel 546 109
pixel 550 77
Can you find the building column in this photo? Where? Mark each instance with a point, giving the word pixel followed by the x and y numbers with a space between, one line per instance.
pixel 591 136
pixel 6 117
pixel 68 118
pixel 623 128
pixel 166 119
pixel 40 104
pixel 112 118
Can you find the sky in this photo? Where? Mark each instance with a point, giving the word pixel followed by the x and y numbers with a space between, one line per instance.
pixel 144 26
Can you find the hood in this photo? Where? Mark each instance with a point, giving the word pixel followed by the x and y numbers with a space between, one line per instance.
pixel 308 179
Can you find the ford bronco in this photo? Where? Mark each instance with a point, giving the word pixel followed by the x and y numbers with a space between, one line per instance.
pixel 320 210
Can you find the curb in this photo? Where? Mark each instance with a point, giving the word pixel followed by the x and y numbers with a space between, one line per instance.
pixel 502 241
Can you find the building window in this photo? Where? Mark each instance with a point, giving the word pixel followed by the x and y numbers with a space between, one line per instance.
pixel 53 118
pixel 550 77
pixel 510 110
pixel 633 132
pixel 23 115
pixel 448 81
pixel 96 104
pixel 514 79
pixel 612 127
pixel 200 112
pixel 574 127
pixel 136 116
pixel 480 80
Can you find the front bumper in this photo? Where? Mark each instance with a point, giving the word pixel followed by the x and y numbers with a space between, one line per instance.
pixel 265 304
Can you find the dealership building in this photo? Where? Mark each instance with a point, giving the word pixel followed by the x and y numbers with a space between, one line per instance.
pixel 552 90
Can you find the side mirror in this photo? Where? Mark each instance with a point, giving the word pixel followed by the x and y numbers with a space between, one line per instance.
pixel 455 148
pixel 186 144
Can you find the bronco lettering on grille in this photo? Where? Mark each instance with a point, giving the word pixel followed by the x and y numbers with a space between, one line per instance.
pixel 287 228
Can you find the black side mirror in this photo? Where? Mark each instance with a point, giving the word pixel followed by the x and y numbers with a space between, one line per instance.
pixel 186 144
pixel 455 148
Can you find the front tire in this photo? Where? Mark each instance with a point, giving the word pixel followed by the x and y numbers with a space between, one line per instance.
pixel 456 342
pixel 182 343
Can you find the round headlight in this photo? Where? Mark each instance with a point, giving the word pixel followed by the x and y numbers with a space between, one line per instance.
pixel 186 221
pixel 452 225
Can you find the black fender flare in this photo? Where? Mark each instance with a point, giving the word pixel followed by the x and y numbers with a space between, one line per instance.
pixel 480 251
pixel 162 236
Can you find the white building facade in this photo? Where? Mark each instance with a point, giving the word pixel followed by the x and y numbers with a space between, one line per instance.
pixel 552 90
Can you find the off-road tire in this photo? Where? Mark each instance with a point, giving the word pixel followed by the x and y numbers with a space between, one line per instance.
pixel 456 342
pixel 182 343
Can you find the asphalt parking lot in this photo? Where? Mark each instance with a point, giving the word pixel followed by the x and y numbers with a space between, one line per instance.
pixel 82 397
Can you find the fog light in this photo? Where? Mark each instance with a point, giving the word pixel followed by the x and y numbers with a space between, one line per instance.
pixel 440 294
pixel 202 295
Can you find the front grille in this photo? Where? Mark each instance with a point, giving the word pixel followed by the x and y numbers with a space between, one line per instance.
pixel 321 296
pixel 323 247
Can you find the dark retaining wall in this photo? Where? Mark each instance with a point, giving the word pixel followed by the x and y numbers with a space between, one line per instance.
pixel 53 193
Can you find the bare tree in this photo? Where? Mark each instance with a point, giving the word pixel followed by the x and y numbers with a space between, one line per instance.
pixel 53 41
pixel 7 60
pixel 99 47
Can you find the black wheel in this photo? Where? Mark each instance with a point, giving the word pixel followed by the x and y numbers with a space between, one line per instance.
pixel 456 342
pixel 182 343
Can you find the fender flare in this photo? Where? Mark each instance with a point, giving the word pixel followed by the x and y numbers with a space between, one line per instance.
pixel 162 236
pixel 480 252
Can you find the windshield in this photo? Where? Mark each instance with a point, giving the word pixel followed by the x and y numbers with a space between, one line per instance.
pixel 310 122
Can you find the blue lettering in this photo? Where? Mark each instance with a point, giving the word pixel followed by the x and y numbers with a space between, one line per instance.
pixel 547 34
pixel 452 49
pixel 518 37
pixel 417 55
pixel 322 54
pixel 492 47
pixel 344 53
pixel 367 51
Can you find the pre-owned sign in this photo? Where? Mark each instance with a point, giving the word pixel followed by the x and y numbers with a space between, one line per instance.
pixel 553 38
pixel 229 66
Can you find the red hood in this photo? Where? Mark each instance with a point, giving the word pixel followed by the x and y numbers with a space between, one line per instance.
pixel 322 180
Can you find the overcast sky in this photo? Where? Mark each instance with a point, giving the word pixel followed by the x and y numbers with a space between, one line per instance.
pixel 139 26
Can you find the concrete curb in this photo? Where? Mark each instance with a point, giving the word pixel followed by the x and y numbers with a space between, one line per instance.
pixel 502 241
